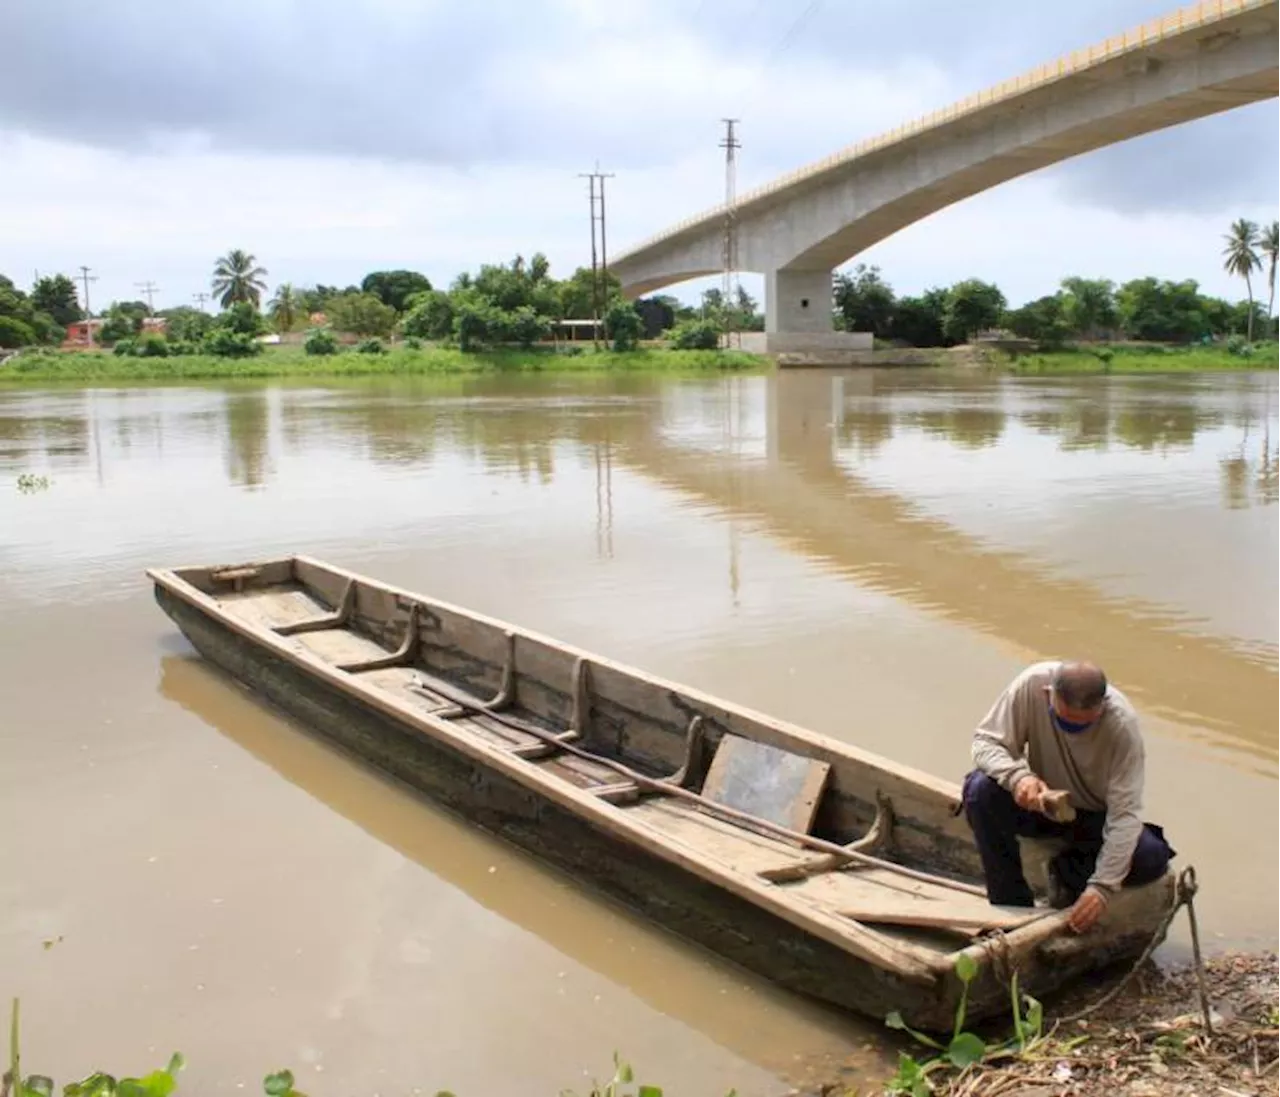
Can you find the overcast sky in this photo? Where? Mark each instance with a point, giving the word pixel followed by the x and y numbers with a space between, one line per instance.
pixel 146 137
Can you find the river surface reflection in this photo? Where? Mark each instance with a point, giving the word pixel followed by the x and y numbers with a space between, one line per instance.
pixel 872 554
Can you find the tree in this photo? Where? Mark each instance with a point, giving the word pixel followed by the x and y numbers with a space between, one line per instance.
pixel 1162 311
pixel 15 333
pixel 918 321
pixel 1271 249
pixel 657 314
pixel 284 308
pixel 241 319
pixel 236 278
pixel 431 316
pixel 972 306
pixel 24 324
pixel 1088 305
pixel 864 301
pixel 394 287
pixel 623 325
pixel 361 314
pixel 122 320
pixel 56 295
pixel 1043 320
pixel 1240 259
pixel 186 324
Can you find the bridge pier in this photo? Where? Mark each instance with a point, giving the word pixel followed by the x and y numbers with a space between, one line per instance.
pixel 797 315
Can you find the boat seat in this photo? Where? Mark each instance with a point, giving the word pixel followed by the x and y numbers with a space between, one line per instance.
pixel 766 782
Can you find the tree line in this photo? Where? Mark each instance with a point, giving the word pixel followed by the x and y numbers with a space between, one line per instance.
pixel 520 303
pixel 1146 309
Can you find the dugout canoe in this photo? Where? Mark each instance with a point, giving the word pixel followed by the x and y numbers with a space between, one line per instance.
pixel 834 872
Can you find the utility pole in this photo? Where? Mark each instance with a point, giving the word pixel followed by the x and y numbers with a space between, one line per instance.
pixel 200 299
pixel 730 144
pixel 603 265
pixel 595 288
pixel 149 288
pixel 85 277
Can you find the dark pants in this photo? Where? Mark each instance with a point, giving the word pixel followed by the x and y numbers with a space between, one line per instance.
pixel 997 822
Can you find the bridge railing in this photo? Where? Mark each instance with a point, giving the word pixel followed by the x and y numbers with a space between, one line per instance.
pixel 1179 22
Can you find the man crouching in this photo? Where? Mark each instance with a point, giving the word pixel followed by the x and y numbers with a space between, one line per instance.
pixel 1060 726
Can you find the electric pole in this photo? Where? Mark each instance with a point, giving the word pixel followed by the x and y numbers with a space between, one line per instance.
pixel 86 278
pixel 596 267
pixel 149 288
pixel 730 144
pixel 200 299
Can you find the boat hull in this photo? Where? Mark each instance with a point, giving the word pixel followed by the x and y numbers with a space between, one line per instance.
pixel 647 880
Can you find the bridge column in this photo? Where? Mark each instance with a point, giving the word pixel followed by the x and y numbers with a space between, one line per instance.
pixel 797 314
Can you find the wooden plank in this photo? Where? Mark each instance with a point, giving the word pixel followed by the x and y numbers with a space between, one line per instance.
pixel 269 608
pixel 960 921
pixel 766 781
pixel 873 895
pixel 736 847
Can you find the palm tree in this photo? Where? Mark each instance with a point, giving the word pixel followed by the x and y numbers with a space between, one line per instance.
pixel 284 307
pixel 1271 248
pixel 1240 258
pixel 236 279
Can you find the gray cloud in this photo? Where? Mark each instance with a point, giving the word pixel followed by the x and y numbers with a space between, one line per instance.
pixel 449 83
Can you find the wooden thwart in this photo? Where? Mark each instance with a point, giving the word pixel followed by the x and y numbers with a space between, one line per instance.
pixel 878 835
pixel 402 656
pixel 330 620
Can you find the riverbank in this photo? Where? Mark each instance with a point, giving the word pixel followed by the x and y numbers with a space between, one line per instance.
pixel 1130 359
pixel 1148 1041
pixel 93 366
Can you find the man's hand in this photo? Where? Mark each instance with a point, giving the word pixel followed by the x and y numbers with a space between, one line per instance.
pixel 1087 910
pixel 1027 793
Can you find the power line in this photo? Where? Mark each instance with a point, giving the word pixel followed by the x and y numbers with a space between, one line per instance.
pixel 149 288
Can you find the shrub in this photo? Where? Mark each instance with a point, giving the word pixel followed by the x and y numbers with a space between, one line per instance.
pixel 151 346
pixel 695 335
pixel 622 323
pixel 413 343
pixel 1239 346
pixel 320 342
pixel 123 347
pixel 224 343
pixel 370 346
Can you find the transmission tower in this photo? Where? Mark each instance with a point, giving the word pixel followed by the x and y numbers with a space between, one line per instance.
pixel 602 266
pixel 730 144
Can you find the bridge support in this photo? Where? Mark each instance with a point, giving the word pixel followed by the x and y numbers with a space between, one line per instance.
pixel 797 315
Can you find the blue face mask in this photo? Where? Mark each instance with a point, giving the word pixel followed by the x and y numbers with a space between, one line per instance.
pixel 1068 727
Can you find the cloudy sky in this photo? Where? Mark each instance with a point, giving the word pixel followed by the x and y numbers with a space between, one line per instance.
pixel 146 137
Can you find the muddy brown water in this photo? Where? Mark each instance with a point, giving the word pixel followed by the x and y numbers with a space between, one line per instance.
pixel 871 554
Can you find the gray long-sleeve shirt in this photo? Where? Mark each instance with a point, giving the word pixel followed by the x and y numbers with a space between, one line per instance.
pixel 1102 769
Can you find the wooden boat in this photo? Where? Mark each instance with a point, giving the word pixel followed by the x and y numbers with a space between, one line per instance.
pixel 829 870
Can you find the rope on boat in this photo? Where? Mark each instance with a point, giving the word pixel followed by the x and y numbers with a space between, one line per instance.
pixel 1183 895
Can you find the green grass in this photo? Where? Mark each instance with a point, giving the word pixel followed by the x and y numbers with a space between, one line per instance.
pixel 89 366
pixel 1145 359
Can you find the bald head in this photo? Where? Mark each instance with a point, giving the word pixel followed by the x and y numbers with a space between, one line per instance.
pixel 1080 686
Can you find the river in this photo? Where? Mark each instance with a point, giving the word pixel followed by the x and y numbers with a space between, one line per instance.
pixel 873 554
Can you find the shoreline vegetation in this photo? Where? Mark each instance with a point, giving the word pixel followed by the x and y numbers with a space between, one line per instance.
pixel 287 362
pixel 89 367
